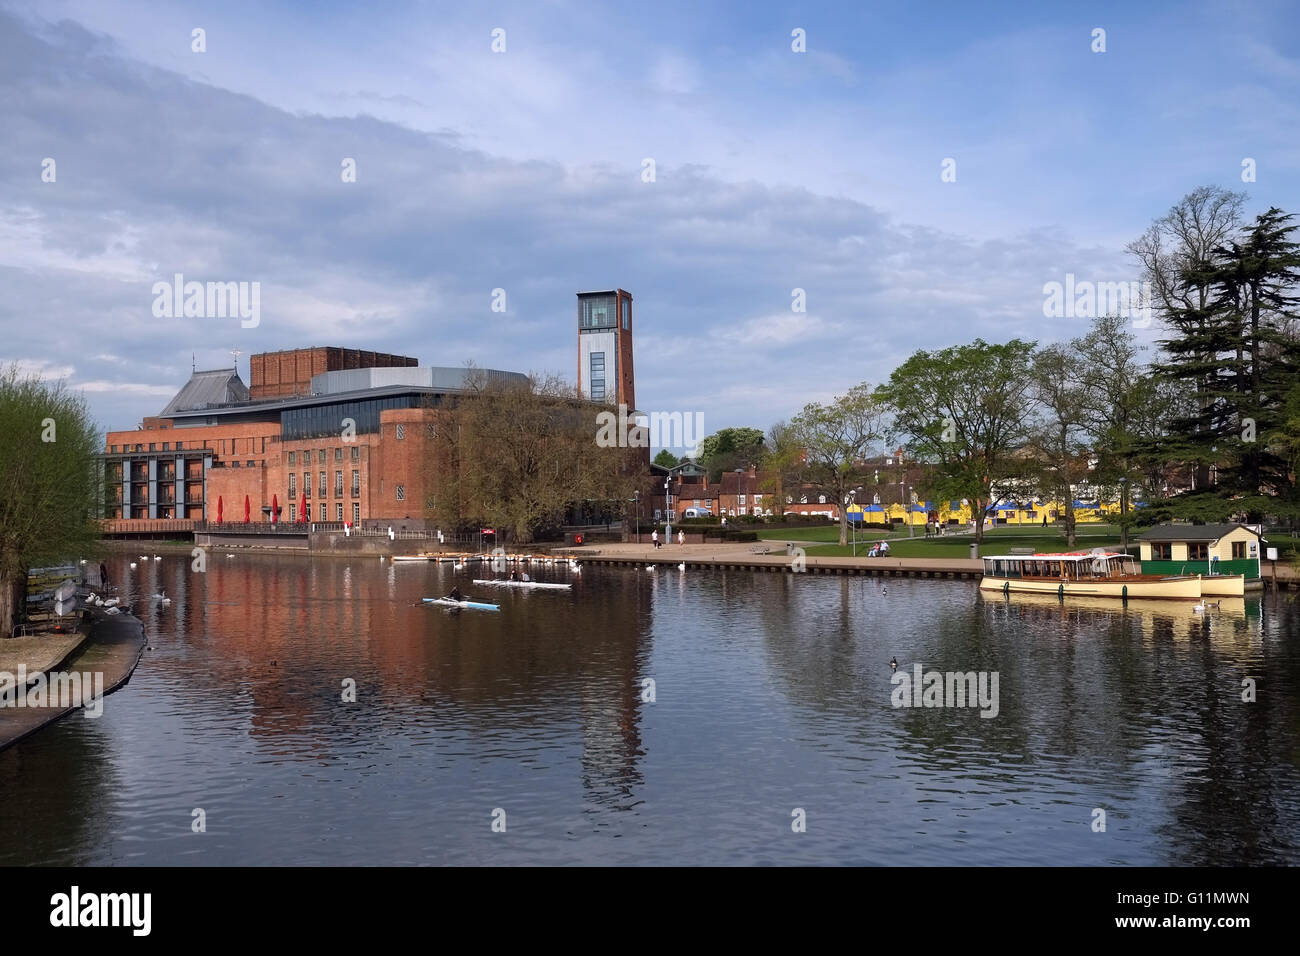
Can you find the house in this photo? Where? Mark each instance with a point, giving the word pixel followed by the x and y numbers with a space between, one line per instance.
pixel 1201 549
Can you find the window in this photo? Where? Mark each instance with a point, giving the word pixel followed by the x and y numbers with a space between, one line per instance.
pixel 356 511
pixel 597 312
pixel 153 446
pixel 1197 552
pixel 293 484
pixel 321 486
pixel 113 449
pixel 401 432
pixel 234 464
pixel 356 483
pixel 250 464
pixel 1162 552
pixel 306 483
pixel 338 488
pixel 742 499
pixel 338 454
pixel 627 315
pixel 338 511
pixel 598 376
pixel 321 456
pixel 167 446
pixel 291 458
pixel 401 492
pixel 356 453
pixel 306 512
pixel 293 513
pixel 1238 550
pixel 180 446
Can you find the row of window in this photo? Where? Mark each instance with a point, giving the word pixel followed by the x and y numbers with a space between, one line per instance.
pixel 304 456
pixel 338 484
pixel 322 510
pixel 1195 551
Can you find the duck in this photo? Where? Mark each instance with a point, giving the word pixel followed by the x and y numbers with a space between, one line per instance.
pixel 893 663
pixel 1203 607
pixel 162 598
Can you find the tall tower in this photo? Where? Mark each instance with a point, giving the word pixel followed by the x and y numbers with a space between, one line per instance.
pixel 605 347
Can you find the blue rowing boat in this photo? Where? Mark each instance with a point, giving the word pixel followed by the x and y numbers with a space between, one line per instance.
pixel 471 605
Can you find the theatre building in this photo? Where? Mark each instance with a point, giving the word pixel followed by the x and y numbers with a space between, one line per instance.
pixel 325 434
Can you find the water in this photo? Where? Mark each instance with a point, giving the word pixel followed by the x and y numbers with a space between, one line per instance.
pixel 772 693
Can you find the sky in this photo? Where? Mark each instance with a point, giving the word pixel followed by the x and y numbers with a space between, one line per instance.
pixel 524 169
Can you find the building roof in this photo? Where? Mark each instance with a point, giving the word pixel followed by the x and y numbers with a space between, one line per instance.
pixel 218 386
pixel 1192 532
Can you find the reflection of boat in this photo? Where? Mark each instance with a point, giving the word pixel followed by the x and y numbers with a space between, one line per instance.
pixel 524 584
pixel 1145 609
pixel 471 605
pixel 1098 573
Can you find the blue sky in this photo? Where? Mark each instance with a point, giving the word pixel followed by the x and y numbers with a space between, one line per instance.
pixel 522 171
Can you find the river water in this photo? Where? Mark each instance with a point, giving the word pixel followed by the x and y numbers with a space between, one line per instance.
pixel 772 713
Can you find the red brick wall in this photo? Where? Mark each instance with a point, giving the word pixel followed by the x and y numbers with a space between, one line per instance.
pixel 289 372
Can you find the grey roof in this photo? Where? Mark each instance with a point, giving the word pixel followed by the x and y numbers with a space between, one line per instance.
pixel 426 376
pixel 1192 532
pixel 218 386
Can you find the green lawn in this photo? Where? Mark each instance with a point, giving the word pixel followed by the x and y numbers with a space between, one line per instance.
pixel 998 540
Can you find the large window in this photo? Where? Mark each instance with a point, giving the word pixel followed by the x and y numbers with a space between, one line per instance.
pixel 1198 552
pixel 326 421
pixel 627 315
pixel 597 312
pixel 338 511
pixel 338 488
pixel 293 484
pixel 306 483
pixel 356 511
pixel 356 483
pixel 1162 552
pixel 322 483
pixel 1238 550
pixel 598 376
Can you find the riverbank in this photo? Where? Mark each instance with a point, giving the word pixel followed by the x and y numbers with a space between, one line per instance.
pixel 101 656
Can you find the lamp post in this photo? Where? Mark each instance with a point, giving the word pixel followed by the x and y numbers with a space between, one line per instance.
pixel 668 511
pixel 636 496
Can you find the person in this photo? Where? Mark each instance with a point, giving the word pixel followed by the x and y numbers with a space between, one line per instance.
pixel 681 538
pixel 1044 519
pixel 103 575
pixel 884 547
pixel 654 537
pixel 514 575
pixel 874 552
pixel 524 575
pixel 724 521
pixel 455 594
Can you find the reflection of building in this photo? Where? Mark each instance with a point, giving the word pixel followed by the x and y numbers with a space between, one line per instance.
pixel 348 442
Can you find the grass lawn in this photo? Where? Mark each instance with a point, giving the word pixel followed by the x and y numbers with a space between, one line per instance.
pixel 999 540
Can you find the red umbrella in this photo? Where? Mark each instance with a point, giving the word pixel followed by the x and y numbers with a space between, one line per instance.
pixel 302 508
pixel 247 512
pixel 218 509
pixel 275 508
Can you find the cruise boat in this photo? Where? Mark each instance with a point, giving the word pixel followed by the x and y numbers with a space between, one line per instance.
pixel 1097 573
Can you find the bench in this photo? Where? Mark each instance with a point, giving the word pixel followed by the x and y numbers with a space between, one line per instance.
pixel 1024 550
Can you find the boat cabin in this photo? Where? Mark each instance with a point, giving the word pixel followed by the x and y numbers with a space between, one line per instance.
pixel 1074 566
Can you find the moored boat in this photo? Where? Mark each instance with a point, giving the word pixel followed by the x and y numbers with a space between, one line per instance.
pixel 544 585
pixel 1097 573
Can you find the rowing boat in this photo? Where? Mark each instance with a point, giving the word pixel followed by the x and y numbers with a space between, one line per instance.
pixel 471 605
pixel 410 557
pixel 524 584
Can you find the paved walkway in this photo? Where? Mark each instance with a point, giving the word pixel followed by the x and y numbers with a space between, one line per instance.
pixel 106 658
pixel 767 555
pixel 38 653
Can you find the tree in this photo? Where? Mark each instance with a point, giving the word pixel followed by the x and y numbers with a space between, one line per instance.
pixel 1058 438
pixel 1178 258
pixel 731 448
pixel 666 459
pixel 823 447
pixel 49 489
pixel 964 410
pixel 516 456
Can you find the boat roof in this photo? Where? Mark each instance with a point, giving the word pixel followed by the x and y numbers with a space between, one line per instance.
pixel 1065 556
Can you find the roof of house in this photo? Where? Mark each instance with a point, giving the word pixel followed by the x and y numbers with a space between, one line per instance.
pixel 1192 532
pixel 217 386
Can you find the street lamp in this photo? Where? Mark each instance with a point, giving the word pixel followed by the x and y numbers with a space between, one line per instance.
pixel 636 496
pixel 668 510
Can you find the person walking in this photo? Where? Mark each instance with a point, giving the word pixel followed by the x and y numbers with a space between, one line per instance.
pixel 654 538
pixel 681 538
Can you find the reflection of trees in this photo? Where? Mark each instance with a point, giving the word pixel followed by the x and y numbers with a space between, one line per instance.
pixel 58 783
pixel 1110 703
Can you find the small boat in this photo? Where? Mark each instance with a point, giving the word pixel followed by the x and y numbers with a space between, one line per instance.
pixel 410 557
pixel 471 605
pixel 1096 573
pixel 524 584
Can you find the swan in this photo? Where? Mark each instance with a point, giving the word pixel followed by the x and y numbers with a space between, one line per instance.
pixel 132 564
pixel 682 566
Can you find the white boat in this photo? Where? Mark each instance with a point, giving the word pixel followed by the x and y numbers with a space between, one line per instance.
pixel 410 557
pixel 1097 573
pixel 469 605
pixel 524 584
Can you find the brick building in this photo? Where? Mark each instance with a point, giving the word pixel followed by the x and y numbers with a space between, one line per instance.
pixel 352 444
